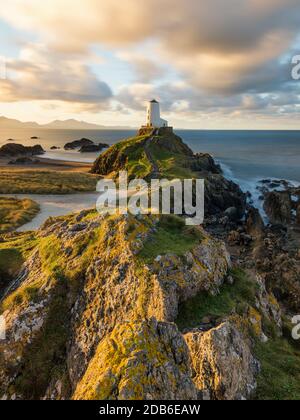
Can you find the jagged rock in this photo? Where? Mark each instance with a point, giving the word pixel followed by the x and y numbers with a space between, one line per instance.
pixel 221 194
pixel 267 304
pixel 206 271
pixel 223 363
pixel 204 162
pixel 254 223
pixel 84 278
pixel 140 360
pixel 278 206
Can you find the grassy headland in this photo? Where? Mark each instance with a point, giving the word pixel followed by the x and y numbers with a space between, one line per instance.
pixel 15 213
pixel 141 156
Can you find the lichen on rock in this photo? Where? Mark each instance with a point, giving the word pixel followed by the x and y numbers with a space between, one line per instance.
pixel 223 362
pixel 139 360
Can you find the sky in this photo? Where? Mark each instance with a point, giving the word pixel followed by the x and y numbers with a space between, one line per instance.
pixel 217 64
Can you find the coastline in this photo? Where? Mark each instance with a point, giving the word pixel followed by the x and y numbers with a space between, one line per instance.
pixel 45 163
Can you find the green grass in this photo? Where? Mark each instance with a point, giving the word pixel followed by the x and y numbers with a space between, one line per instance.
pixel 280 359
pixel 45 182
pixel 45 359
pixel 280 375
pixel 171 165
pixel 138 166
pixel 171 237
pixel 13 252
pixel 11 260
pixel 232 298
pixel 15 213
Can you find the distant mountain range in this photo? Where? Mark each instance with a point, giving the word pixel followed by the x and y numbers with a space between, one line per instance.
pixel 6 123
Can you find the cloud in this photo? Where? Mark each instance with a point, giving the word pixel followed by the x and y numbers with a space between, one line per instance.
pixel 219 47
pixel 229 54
pixel 181 100
pixel 145 69
pixel 42 74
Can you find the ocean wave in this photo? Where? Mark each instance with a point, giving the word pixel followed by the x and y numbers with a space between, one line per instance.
pixel 251 186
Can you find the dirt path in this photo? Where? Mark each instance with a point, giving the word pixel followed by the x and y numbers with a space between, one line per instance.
pixel 155 169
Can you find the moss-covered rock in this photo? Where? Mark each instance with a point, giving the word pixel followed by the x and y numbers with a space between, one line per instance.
pixel 84 275
pixel 139 361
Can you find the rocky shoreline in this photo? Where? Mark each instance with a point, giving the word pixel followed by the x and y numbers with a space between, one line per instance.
pixel 123 307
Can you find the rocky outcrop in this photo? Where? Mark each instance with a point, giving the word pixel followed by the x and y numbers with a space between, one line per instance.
pixel 146 360
pixel 224 366
pixel 278 206
pixel 204 162
pixel 153 154
pixel 77 144
pixel 254 223
pixel 81 293
pixel 13 149
pixel 221 195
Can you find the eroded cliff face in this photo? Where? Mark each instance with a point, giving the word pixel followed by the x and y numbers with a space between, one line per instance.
pixel 89 281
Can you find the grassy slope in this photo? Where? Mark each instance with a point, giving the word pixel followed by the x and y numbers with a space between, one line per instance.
pixel 45 182
pixel 280 374
pixel 15 213
pixel 14 250
pixel 231 298
pixel 172 236
pixel 171 164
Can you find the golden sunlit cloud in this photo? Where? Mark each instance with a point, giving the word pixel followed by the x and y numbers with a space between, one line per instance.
pixel 226 57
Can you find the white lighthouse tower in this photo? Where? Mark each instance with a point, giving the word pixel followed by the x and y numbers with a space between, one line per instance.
pixel 153 116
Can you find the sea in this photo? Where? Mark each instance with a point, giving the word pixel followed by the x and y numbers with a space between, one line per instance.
pixel 246 157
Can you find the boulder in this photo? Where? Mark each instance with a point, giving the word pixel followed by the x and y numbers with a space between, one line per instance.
pixel 14 149
pixel 77 144
pixel 254 223
pixel 278 206
pixel 54 148
pixel 232 213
